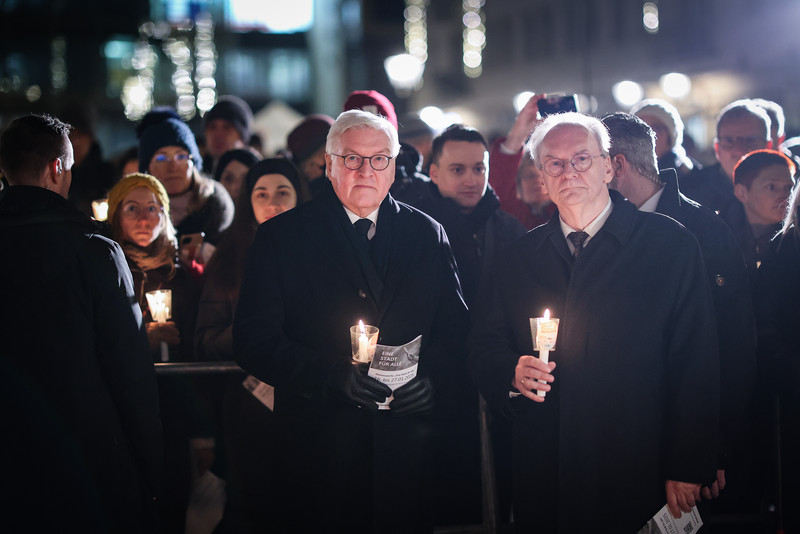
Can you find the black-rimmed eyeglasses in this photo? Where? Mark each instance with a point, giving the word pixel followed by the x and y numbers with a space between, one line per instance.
pixel 354 162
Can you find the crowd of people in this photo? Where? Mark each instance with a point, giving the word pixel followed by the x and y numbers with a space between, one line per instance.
pixel 671 382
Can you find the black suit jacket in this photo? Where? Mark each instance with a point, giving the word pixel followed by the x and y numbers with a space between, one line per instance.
pixel 307 281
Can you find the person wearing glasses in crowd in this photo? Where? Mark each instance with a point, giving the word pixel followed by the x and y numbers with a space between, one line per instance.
pixel 629 421
pixel 139 216
pixel 198 204
pixel 742 126
pixel 352 254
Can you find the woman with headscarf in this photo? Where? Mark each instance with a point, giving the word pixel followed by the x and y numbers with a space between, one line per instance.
pixel 271 187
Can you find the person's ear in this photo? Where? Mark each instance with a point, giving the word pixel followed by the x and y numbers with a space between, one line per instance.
pixel 741 192
pixel 433 173
pixel 619 162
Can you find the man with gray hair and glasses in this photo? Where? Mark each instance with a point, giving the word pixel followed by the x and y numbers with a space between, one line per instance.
pixel 637 178
pixel 352 254
pixel 630 417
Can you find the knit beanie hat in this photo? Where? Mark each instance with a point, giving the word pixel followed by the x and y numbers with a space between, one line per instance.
pixel 373 102
pixel 308 136
pixel 664 112
pixel 234 110
pixel 280 166
pixel 131 182
pixel 168 132
pixel 243 156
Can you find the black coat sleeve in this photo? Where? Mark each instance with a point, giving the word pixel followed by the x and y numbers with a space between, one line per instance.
pixel 123 354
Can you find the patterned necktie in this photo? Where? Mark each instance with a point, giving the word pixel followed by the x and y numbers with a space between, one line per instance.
pixel 362 227
pixel 577 239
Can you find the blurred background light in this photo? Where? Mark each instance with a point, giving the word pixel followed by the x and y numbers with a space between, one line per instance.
pixel 650 17
pixel 404 71
pixel 675 84
pixel 627 93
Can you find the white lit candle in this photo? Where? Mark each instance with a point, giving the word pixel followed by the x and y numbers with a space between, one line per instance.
pixel 544 331
pixel 159 303
pixel 363 343
pixel 100 209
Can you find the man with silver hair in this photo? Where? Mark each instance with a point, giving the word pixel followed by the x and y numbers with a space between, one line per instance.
pixel 667 124
pixel 637 178
pixel 629 421
pixel 352 254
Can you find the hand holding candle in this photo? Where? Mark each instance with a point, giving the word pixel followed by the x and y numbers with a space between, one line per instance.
pixel 544 332
pixel 160 304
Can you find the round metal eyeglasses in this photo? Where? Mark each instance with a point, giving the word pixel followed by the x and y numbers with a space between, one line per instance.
pixel 354 162
pixel 580 162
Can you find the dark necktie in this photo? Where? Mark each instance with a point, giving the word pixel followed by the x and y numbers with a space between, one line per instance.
pixel 362 227
pixel 577 239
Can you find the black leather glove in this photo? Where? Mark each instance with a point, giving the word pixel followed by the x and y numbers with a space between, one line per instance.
pixel 351 384
pixel 415 397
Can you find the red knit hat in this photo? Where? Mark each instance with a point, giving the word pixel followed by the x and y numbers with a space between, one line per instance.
pixel 373 102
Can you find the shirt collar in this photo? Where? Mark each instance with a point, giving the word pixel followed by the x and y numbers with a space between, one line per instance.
pixel 651 203
pixel 592 228
pixel 372 217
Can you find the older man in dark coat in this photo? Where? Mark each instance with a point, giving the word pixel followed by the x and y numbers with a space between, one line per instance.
pixel 82 438
pixel 312 274
pixel 630 417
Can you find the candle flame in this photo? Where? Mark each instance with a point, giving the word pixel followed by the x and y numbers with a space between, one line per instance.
pixel 547 314
pixel 361 327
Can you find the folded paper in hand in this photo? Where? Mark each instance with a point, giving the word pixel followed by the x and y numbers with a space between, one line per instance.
pixel 395 366
pixel 664 523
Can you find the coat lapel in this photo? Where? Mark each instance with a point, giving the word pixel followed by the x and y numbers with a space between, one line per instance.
pixel 393 251
pixel 339 246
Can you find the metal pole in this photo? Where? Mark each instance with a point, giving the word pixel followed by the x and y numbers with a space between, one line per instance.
pixel 196 368
pixel 489 482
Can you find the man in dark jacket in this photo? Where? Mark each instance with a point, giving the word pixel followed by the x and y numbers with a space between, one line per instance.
pixel 742 126
pixel 352 254
pixel 636 176
pixel 461 200
pixel 79 401
pixel 629 422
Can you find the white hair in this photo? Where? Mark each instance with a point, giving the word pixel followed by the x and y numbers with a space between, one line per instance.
pixel 591 124
pixel 357 119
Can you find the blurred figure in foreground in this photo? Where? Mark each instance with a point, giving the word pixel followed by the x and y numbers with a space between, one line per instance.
pixel 79 400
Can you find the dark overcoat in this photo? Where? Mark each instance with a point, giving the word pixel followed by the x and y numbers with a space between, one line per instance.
pixel 733 306
pixel 636 394
pixel 306 283
pixel 82 438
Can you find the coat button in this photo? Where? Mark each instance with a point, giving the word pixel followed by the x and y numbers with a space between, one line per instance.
pixel 720 280
pixel 362 294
